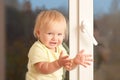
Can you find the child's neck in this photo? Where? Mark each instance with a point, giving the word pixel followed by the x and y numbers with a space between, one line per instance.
pixel 53 50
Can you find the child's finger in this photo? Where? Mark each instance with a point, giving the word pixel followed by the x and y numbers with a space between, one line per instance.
pixel 82 51
pixel 65 57
pixel 61 54
pixel 88 59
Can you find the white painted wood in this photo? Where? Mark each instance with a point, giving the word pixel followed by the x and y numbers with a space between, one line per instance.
pixel 81 10
pixel 73 34
pixel 86 14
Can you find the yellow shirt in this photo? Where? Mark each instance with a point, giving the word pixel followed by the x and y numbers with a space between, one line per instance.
pixel 39 53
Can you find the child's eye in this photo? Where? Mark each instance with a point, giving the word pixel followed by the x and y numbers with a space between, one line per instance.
pixel 49 33
pixel 59 34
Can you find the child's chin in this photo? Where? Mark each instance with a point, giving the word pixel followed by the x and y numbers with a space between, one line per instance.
pixel 52 47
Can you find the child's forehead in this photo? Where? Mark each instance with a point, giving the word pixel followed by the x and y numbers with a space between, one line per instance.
pixel 56 24
pixel 52 22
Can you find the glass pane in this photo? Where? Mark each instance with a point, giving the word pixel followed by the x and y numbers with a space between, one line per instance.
pixel 20 20
pixel 106 31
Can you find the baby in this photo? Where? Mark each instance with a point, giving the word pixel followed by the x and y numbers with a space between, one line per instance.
pixel 47 56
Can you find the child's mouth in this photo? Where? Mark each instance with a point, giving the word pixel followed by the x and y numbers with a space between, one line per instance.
pixel 53 43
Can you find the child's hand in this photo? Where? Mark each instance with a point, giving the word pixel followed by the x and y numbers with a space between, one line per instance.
pixel 83 59
pixel 68 66
pixel 63 60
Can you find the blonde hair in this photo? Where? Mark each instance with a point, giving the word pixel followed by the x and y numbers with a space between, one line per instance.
pixel 45 18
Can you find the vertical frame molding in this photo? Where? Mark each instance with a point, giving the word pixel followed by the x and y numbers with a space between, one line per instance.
pixel 80 10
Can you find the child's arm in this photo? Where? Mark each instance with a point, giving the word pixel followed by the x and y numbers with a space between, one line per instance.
pixel 50 67
pixel 80 59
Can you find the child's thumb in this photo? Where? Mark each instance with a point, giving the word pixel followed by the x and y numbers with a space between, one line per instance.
pixel 61 54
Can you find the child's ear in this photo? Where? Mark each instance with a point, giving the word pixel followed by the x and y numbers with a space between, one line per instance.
pixel 38 33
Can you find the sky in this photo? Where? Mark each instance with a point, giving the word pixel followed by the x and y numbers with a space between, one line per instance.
pixel 48 3
pixel 99 5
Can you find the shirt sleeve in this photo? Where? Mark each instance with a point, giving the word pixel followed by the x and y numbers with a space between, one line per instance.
pixel 37 54
pixel 64 50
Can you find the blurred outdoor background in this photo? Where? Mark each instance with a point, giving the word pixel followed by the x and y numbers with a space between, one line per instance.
pixel 106 31
pixel 18 37
pixel 17 19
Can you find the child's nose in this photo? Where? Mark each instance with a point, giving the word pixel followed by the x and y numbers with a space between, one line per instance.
pixel 55 37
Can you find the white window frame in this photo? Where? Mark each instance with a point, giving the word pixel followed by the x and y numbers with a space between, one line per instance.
pixel 80 11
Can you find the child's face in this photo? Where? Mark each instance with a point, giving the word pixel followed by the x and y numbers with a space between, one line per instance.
pixel 52 36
